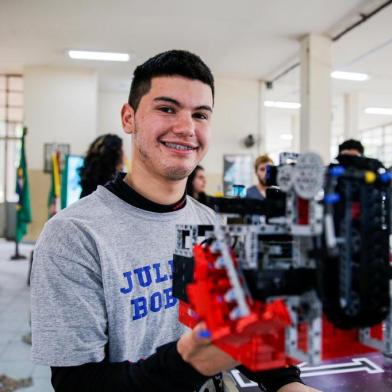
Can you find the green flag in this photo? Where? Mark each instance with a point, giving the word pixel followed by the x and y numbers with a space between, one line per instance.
pixel 23 208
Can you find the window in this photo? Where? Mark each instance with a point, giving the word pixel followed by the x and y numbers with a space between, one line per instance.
pixel 378 143
pixel 11 128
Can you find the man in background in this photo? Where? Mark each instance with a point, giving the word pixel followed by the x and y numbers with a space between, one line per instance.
pixel 351 147
pixel 258 191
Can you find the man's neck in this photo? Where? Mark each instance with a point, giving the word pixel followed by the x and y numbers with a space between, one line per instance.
pixel 262 188
pixel 155 189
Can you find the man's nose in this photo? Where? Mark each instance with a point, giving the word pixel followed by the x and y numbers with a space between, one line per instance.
pixel 184 125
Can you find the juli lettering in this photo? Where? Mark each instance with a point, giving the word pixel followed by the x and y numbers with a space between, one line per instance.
pixel 143 277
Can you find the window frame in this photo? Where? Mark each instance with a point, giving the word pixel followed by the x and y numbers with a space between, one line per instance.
pixel 9 137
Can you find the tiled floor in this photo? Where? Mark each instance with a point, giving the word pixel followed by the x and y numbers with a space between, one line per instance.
pixel 14 321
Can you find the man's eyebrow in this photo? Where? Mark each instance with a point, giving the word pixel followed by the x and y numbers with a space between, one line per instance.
pixel 168 99
pixel 175 102
pixel 204 107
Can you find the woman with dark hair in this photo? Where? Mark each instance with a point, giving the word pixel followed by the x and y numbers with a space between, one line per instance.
pixel 103 159
pixel 196 183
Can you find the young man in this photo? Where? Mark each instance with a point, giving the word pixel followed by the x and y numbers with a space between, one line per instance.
pixel 103 314
pixel 258 191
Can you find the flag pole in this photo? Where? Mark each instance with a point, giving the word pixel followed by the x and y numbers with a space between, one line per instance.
pixel 23 211
pixel 17 255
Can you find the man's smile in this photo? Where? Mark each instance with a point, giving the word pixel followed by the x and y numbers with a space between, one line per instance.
pixel 179 147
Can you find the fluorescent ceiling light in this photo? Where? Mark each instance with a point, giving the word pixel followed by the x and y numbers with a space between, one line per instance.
pixel 358 77
pixel 286 136
pixel 282 105
pixel 383 111
pixel 101 56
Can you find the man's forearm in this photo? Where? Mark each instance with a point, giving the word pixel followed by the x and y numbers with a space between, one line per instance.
pixel 297 387
pixel 163 371
pixel 276 379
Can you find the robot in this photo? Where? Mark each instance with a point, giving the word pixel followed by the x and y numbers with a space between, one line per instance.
pixel 302 276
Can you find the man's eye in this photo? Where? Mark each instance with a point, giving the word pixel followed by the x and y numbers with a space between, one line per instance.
pixel 201 116
pixel 166 109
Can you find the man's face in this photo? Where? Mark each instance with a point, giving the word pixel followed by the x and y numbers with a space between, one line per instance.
pixel 351 151
pixel 261 172
pixel 171 127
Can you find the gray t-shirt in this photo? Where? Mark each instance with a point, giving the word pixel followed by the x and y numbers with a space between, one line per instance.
pixel 102 280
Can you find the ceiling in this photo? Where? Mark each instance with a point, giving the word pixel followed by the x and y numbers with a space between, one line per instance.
pixel 252 39
pixel 249 39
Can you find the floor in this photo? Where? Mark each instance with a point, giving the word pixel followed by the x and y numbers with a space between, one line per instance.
pixel 14 321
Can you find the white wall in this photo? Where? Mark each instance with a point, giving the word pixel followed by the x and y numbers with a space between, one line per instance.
pixel 60 107
pixel 235 116
pixel 109 107
pixel 109 116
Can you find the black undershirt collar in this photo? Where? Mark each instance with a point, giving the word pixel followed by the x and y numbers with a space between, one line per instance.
pixel 122 190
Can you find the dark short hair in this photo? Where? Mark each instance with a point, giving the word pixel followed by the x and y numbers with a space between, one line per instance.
pixel 352 144
pixel 170 63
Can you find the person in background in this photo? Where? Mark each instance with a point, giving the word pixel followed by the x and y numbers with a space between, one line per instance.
pixel 103 160
pixel 351 147
pixel 258 191
pixel 352 151
pixel 196 184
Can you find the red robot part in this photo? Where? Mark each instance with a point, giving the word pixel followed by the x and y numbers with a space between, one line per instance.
pixel 257 339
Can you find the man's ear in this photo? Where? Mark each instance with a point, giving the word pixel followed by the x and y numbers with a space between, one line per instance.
pixel 128 118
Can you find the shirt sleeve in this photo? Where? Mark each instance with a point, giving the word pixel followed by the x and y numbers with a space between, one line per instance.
pixel 163 371
pixel 68 312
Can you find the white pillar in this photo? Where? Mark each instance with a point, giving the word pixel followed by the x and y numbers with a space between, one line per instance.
pixel 295 131
pixel 261 120
pixel 351 116
pixel 316 102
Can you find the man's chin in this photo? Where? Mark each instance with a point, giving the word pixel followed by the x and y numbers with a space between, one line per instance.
pixel 177 173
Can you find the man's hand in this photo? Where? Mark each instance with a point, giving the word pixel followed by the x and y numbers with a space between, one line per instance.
pixel 196 349
pixel 297 387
